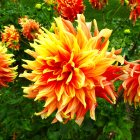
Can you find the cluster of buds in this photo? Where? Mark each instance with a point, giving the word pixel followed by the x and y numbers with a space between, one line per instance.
pixel 98 4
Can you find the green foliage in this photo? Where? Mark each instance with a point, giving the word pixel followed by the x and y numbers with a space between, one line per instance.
pixel 11 11
pixel 129 42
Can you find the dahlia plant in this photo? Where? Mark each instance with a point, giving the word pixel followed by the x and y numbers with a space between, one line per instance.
pixel 70 70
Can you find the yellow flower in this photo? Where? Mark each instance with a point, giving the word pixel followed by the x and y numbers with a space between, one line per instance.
pixel 7 73
pixel 68 68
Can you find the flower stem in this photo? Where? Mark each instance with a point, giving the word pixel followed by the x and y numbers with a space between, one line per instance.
pixel 115 12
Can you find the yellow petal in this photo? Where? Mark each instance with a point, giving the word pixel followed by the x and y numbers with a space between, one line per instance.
pixel 80 94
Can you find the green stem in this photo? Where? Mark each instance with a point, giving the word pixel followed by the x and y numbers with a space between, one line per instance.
pixel 116 11
pixel 103 16
pixel 121 23
pixel 45 16
pixel 24 42
pixel 119 98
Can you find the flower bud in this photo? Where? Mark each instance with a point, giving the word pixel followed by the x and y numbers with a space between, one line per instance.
pixel 38 6
pixel 126 2
pixel 127 31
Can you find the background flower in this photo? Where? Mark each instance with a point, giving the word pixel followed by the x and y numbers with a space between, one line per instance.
pixel 10 37
pixel 98 4
pixel 131 83
pixel 135 10
pixel 7 72
pixel 69 9
pixel 29 27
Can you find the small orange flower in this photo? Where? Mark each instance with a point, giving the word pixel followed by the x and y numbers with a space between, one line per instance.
pixel 131 83
pixel 69 9
pixel 10 37
pixel 69 70
pixel 98 4
pixel 7 73
pixel 29 27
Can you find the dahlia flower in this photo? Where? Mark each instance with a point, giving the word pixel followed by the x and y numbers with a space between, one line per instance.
pixel 131 84
pixel 29 27
pixel 98 4
pixel 10 37
pixel 69 9
pixel 69 70
pixel 7 72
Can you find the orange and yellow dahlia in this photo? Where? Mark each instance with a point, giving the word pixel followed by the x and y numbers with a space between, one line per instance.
pixel 98 4
pixel 69 70
pixel 10 37
pixel 30 27
pixel 69 9
pixel 7 72
pixel 131 84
